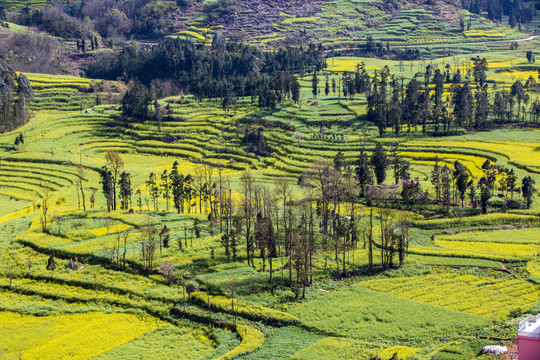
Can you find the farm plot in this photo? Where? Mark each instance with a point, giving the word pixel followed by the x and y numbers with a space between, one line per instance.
pixel 77 336
pixel 164 343
pixel 483 296
pixel 364 314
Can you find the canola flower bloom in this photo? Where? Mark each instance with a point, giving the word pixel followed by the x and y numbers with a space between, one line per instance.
pixel 76 336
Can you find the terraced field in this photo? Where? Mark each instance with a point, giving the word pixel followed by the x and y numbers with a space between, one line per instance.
pixel 66 142
pixel 472 294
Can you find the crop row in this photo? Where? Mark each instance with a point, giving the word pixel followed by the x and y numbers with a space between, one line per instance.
pixel 248 311
pixel 489 297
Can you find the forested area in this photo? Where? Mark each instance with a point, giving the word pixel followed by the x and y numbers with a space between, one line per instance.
pixel 16 93
pixel 514 9
pixel 225 70
pixel 467 101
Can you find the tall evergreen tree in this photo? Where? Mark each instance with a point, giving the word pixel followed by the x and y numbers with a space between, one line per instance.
pixel 315 85
pixel 124 183
pixel 527 190
pixel 485 195
pixel 363 172
pixel 177 188
pixel 379 161
pixel 107 186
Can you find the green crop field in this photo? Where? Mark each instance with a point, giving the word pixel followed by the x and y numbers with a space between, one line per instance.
pixel 275 246
pixel 355 321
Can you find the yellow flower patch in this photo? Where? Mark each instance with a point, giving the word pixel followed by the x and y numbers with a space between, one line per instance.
pixel 76 336
pixel 484 296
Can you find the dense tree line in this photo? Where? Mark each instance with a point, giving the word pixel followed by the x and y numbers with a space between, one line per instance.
pixel 224 71
pixel 516 10
pixel 472 103
pixel 453 186
pixel 54 21
pixel 16 93
pixel 378 49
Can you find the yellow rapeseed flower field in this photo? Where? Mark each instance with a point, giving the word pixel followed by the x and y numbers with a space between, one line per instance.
pixel 484 296
pixel 113 229
pixel 491 248
pixel 76 336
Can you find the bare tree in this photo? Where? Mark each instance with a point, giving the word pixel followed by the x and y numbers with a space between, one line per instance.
pixel 80 186
pixel 248 211
pixel 148 245
pixel 44 208
pixel 125 236
pixel 10 269
pixel 59 219
pixel 381 195
pixel 114 160
pixel 167 271
pixel 326 183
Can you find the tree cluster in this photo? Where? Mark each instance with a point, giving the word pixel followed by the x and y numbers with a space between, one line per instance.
pixel 422 102
pixel 378 49
pixel 16 93
pixel 516 10
pixel 453 186
pixel 225 71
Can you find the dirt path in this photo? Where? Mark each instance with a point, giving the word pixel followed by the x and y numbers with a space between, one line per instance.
pixel 453 44
pixel 512 353
pixel 511 272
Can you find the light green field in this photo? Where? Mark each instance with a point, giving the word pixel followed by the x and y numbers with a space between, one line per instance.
pixel 363 318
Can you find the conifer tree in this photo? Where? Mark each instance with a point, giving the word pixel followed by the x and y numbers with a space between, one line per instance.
pixel 527 190
pixel 315 85
pixel 379 161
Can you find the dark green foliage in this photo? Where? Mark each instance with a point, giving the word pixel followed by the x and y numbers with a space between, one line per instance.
pixel 255 142
pixel 124 184
pixel 530 56
pixel 197 228
pixel 51 264
pixel 363 171
pixel 339 161
pixel 15 96
pixel 412 193
pixel 19 140
pixel 107 186
pixel 153 189
pixel 54 21
pixel 295 90
pixel 482 107
pixel 379 161
pixel 485 195
pixel 136 100
pixel 327 87
pixel 462 100
pixel 461 176
pixel 436 179
pixel 479 70
pixel 527 189
pixel 165 236
pixel 519 93
pixel 177 188
pixel 315 85
pixel 230 69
